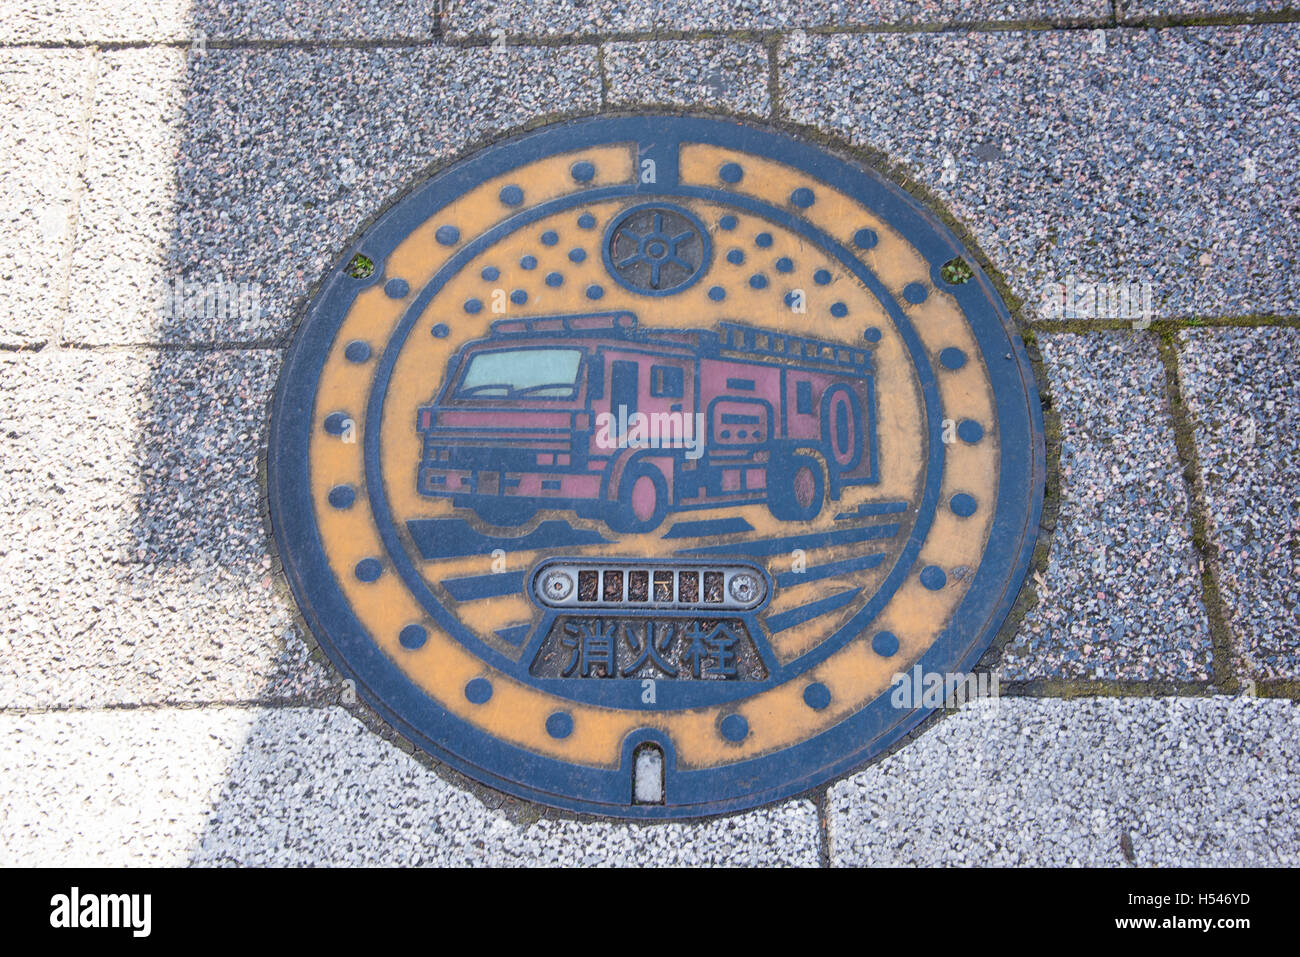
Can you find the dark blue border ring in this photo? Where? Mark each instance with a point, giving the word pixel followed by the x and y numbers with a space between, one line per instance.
pixel 690 793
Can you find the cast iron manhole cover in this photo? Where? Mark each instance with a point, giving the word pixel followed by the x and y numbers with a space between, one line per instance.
pixel 625 464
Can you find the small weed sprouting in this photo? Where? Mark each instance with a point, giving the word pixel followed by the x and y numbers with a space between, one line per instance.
pixel 956 271
pixel 361 267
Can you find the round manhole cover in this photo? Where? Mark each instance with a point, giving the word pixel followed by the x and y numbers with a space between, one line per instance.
pixel 639 465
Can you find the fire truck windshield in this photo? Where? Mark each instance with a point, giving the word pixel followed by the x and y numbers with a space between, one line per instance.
pixel 510 373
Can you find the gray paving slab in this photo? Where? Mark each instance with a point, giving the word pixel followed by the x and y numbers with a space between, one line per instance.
pixel 258 166
pixel 317 19
pixel 154 21
pixel 711 74
pixel 1141 9
pixel 494 18
pixel 43 109
pixel 1121 596
pixel 85 21
pixel 1243 397
pixel 132 547
pixel 297 786
pixel 1107 156
pixel 1095 782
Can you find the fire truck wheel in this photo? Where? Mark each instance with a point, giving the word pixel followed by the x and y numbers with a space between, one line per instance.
pixel 642 501
pixel 504 514
pixel 796 489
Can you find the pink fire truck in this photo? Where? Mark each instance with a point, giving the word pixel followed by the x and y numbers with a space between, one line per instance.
pixel 596 415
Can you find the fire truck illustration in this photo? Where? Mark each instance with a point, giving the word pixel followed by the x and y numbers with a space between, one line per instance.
pixel 596 415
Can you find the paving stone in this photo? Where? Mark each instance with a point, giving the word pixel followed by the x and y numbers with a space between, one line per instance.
pixel 258 166
pixel 1242 394
pixel 1115 156
pixel 43 101
pixel 112 21
pixel 1141 9
pixel 714 74
pixel 84 21
pixel 487 18
pixel 296 786
pixel 1121 597
pixel 1050 782
pixel 317 19
pixel 134 556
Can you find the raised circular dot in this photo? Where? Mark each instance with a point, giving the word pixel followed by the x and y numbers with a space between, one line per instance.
pixel 734 727
pixel 817 696
pixel 554 280
pixel 559 724
pixel 933 577
pixel 885 644
pixel 595 292
pixel 872 334
pixel 735 257
pixel 413 637
pixel 952 358
pixel 478 690
pixel 822 277
pixel 803 197
pixel 730 173
pixel 577 255
pixel 490 273
pixel 963 505
pixel 550 237
pixel 785 264
pixel 728 223
pixel 519 297
pixel 586 221
pixel 342 496
pixel 763 240
pixel 758 281
pixel 915 293
pixel 791 299
pixel 970 431
pixel 441 331
pixel 473 305
pixel 447 235
pixel 582 171
pixel 336 423
pixel 839 310
pixel 368 569
pixel 865 238
pixel 528 262
pixel 717 294
pixel 396 288
pixel 357 351
pixel 511 195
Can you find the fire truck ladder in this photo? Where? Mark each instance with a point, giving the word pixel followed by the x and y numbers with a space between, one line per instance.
pixel 735 337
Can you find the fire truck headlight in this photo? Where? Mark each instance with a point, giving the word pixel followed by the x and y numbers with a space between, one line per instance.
pixel 557 585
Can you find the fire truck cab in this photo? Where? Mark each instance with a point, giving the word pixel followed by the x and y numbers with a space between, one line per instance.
pixel 593 414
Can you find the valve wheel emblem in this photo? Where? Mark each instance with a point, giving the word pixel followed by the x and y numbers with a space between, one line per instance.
pixel 657 249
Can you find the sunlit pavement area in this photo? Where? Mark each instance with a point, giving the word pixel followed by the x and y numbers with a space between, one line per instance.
pixel 160 704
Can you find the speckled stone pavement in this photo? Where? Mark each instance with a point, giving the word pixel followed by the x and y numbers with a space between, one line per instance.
pixel 157 701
